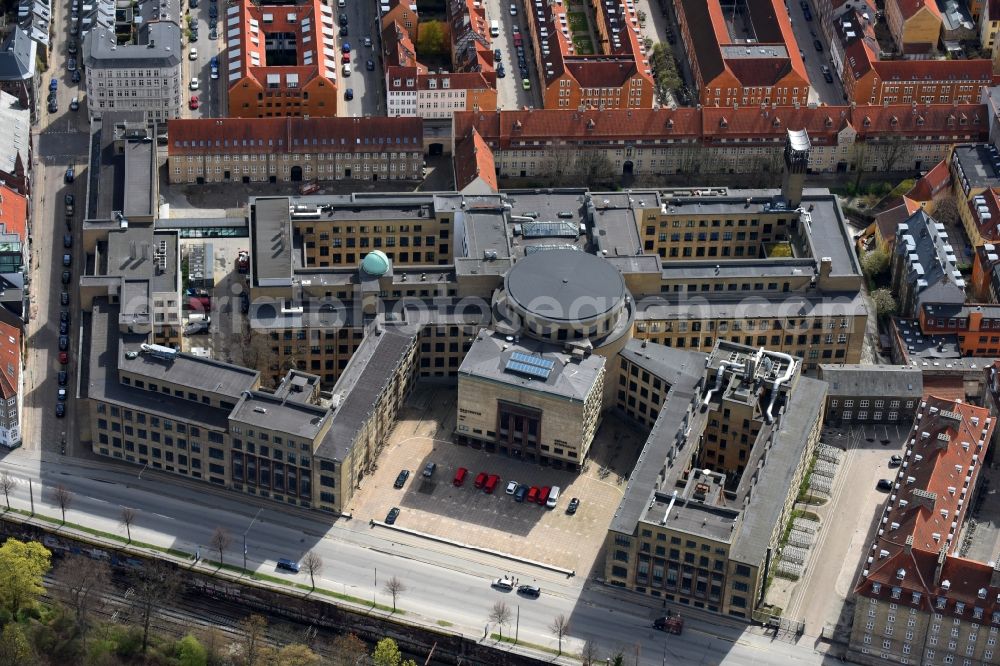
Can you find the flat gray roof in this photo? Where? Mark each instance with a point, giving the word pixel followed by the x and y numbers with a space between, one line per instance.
pixel 158 46
pixel 752 304
pixel 107 175
pixel 740 268
pixel 770 487
pixel 565 285
pixel 200 374
pixel 103 347
pixel 140 179
pixel 138 253
pixel 686 369
pixel 615 231
pixel 271 242
pixel 866 380
pixel 370 370
pixel 266 410
pixel 978 164
pixel 570 378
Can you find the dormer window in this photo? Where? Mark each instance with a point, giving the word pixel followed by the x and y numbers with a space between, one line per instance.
pixel 894 121
pixel 916 597
pixel 867 122
pixel 723 122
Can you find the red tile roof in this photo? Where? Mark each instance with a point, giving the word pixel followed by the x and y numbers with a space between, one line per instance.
pixel 10 360
pixel 13 212
pixel 601 72
pixel 474 159
pixel 822 123
pixel 209 136
pixel 421 80
pixel 310 21
pixel 944 387
pixel 861 59
pixel 968 120
pixel 987 224
pixel 709 33
pixel 932 183
pixel 398 48
pixel 503 128
pixel 924 513
pixel 888 220
pixel 908 8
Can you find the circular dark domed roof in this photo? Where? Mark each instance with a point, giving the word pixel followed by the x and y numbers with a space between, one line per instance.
pixel 565 285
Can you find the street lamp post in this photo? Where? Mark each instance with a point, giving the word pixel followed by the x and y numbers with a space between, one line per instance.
pixel 375 589
pixel 245 537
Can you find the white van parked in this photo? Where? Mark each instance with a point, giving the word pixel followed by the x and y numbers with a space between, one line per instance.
pixel 495 28
pixel 553 498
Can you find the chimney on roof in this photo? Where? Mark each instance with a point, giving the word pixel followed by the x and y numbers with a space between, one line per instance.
pixel 939 567
pixel 909 544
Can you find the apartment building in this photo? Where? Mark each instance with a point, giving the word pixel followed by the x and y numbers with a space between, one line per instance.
pixel 11 379
pixel 924 267
pixel 15 144
pixel 915 25
pixel 282 60
pixel 617 76
pixel 746 63
pixel 984 284
pixel 980 216
pixel 732 437
pixel 412 89
pixel 412 92
pixel 143 76
pixel 19 73
pixel 868 80
pixel 868 394
pixel 655 142
pixel 212 150
pixel 918 601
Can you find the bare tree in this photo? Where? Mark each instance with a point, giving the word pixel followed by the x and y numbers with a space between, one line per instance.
pixel 127 518
pixel 348 650
pixel 395 587
pixel 588 657
pixel 893 150
pixel 7 483
pixel 153 586
pixel 559 628
pixel 86 580
pixel 313 564
pixel 220 541
pixel 500 613
pixel 63 498
pixel 253 627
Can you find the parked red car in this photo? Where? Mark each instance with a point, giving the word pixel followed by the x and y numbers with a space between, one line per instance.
pixel 480 480
pixel 543 495
pixel 63 358
pixel 491 484
pixel 533 494
pixel 460 476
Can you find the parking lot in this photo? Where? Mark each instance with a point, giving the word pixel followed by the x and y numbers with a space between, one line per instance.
pixel 846 519
pixel 467 514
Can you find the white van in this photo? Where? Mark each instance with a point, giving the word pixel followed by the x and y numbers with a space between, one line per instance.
pixel 495 28
pixel 199 318
pixel 553 497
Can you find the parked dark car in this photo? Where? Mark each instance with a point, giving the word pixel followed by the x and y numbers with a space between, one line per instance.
pixel 429 469
pixel 66 277
pixel 370 65
pixel 288 565
pixel 401 478
pixel 818 44
pixel 70 175
pixel 67 240
pixel 884 484
pixel 75 76
pixel 63 328
pixel 64 316
pixel 573 505
pixel 63 342
pixel 60 409
pixel 64 298
pixel 895 461
pixel 63 378
pixel 530 591
pixel 390 518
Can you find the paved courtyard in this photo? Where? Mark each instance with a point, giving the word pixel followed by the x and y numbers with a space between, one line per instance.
pixel 467 514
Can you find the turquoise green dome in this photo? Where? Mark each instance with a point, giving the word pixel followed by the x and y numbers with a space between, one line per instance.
pixel 375 263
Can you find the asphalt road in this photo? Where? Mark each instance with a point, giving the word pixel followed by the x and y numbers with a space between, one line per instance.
pixel 805 33
pixel 61 142
pixel 211 93
pixel 369 95
pixel 443 583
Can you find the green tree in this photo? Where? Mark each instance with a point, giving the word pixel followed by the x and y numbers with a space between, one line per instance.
pixel 874 262
pixel 190 652
pixel 22 566
pixel 387 653
pixel 432 38
pixel 14 647
pixel 297 654
pixel 885 303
